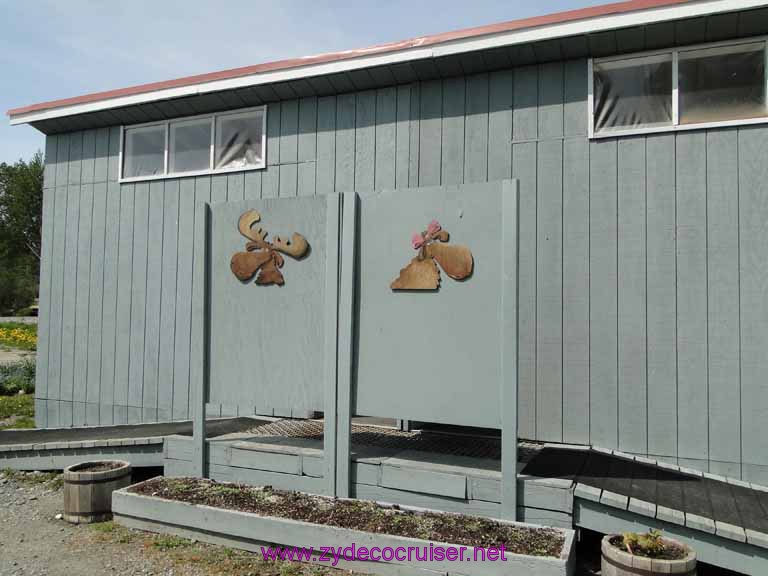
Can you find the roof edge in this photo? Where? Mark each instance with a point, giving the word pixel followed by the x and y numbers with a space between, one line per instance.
pixel 464 40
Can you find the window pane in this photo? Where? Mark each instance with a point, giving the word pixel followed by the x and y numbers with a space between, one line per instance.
pixel 190 146
pixel 722 84
pixel 633 93
pixel 238 140
pixel 144 151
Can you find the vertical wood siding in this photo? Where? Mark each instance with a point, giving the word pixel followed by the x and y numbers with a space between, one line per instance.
pixel 643 268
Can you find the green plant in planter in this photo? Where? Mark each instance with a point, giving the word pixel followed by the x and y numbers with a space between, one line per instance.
pixel 650 545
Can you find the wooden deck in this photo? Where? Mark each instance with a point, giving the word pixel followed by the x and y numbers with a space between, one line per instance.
pixel 141 444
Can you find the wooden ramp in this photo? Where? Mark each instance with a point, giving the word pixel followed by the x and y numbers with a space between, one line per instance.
pixel 724 519
pixel 140 444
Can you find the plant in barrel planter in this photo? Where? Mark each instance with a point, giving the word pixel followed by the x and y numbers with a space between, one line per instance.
pixel 632 553
pixel 88 488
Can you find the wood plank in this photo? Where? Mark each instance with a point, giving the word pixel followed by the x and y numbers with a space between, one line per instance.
pixel 500 125
pixel 82 284
pixel 168 309
pixel 113 163
pixel 330 366
pixel 576 291
pixel 549 291
pixel 691 213
pixel 69 302
pixel 46 272
pixel 386 138
pixel 345 143
pixel 289 146
pixel 183 316
pixel 415 136
pixel 153 309
pixel 123 319
pixel 423 481
pixel 62 159
pixel 476 129
pixel 643 486
pixel 307 146
pixel 75 158
pixel 452 131
pixel 753 267
pixel 603 286
pixel 696 497
pixel 138 299
pixel 96 296
pixel 345 358
pixel 509 369
pixel 724 507
pixel 252 185
pixel 575 95
pixel 270 176
pixel 526 101
pixel 57 300
pixel 218 188
pixel 326 145
pixel 89 156
pixel 365 141
pixel 662 297
pixel 551 98
pixel 524 169
pixel 199 349
pixel 236 187
pixel 49 159
pixel 106 385
pixel 724 407
pixel 101 160
pixel 633 384
pixel 430 133
pixel 402 136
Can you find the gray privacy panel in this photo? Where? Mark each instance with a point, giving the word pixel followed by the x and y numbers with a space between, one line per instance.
pixel 267 341
pixel 430 356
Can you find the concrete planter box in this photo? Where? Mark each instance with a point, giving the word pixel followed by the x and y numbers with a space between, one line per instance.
pixel 615 562
pixel 250 532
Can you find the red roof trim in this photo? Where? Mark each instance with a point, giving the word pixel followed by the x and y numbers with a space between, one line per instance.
pixel 557 18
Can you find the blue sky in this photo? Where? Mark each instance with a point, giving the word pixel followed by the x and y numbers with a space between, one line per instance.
pixel 55 49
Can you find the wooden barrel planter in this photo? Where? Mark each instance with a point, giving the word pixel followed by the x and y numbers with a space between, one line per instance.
pixel 88 488
pixel 617 562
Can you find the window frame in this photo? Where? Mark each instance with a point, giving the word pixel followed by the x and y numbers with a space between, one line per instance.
pixel 211 156
pixel 675 126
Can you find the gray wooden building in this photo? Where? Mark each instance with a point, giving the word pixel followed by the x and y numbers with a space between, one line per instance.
pixel 637 132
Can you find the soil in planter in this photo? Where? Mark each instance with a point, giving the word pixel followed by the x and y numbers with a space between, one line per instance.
pixel 671 551
pixel 358 515
pixel 94 467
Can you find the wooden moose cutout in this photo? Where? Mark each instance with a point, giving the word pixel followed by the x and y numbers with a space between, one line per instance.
pixel 422 272
pixel 262 256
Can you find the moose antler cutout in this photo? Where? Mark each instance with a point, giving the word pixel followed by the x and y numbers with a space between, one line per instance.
pixel 422 272
pixel 262 256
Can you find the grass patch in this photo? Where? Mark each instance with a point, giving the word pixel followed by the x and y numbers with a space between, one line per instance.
pixel 212 560
pixel 52 480
pixel 21 406
pixel 165 542
pixel 18 335
pixel 17 377
pixel 23 423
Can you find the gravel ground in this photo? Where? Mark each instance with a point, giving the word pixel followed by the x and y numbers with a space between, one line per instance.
pixel 34 543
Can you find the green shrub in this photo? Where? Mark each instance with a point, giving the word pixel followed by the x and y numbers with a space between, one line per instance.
pixel 17 377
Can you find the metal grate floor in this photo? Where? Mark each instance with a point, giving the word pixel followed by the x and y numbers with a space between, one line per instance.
pixel 454 444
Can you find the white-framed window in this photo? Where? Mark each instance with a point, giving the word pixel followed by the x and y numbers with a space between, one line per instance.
pixel 704 86
pixel 196 145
